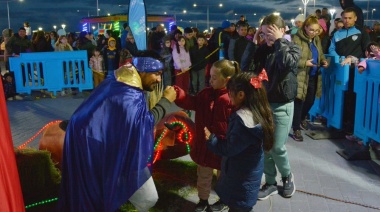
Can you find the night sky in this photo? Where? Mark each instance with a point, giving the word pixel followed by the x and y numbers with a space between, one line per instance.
pixel 46 13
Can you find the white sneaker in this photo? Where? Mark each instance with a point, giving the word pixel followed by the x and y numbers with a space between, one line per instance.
pixel 17 97
pixel 10 99
pixel 63 93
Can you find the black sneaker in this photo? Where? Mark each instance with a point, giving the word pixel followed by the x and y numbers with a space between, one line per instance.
pixel 266 191
pixel 218 206
pixel 202 206
pixel 297 135
pixel 289 187
pixel 304 125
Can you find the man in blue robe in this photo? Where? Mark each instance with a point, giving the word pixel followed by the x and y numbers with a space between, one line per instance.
pixel 109 141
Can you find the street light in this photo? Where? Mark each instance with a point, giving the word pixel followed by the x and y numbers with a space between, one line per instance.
pixel 9 20
pixel 332 12
pixel 39 28
pixel 175 15
pixel 208 12
pixel 373 10
pixel 55 28
pixel 304 6
pixel 97 8
pixel 63 26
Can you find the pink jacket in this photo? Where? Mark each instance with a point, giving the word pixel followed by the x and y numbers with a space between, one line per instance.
pixel 181 60
pixel 96 63
pixel 364 62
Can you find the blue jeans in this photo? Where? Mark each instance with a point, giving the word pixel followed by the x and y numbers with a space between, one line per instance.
pixel 198 78
pixel 278 155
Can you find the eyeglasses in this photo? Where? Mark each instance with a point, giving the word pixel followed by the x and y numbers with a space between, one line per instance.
pixel 312 31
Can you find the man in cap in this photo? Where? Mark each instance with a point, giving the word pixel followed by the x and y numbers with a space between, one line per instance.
pixel 191 41
pixel 220 38
pixel 107 156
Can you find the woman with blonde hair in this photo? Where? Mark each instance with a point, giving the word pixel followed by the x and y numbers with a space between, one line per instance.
pixel 308 76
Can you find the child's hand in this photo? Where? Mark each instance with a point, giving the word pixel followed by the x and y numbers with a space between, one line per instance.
pixel 207 133
pixel 346 61
pixel 256 37
pixel 184 69
pixel 170 93
pixel 360 69
pixel 324 63
pixel 274 33
pixel 309 63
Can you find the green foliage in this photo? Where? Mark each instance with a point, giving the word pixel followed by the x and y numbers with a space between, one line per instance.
pixel 39 178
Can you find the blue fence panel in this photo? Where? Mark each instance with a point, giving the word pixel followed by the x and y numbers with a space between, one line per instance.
pixel 366 87
pixel 334 84
pixel 52 71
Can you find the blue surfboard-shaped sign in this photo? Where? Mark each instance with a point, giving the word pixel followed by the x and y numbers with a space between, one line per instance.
pixel 137 22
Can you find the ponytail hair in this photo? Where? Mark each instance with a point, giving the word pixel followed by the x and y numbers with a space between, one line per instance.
pixel 227 67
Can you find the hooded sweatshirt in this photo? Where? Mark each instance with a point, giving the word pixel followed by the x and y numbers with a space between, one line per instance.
pixel 111 56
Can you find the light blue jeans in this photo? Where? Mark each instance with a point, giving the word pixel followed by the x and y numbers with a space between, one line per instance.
pixel 278 155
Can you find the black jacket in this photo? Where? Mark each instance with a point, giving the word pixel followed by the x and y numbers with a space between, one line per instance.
pixel 280 62
pixel 198 57
pixel 242 51
pixel 214 43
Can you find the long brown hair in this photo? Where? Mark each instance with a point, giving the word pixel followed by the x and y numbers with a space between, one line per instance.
pixel 255 100
pixel 273 19
pixel 177 44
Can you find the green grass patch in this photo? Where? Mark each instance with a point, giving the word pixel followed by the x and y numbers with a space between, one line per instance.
pixel 39 178
pixel 175 180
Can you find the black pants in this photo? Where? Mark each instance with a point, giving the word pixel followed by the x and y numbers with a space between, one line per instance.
pixel 349 103
pixel 301 108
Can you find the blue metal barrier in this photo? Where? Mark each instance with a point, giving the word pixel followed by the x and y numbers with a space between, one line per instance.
pixel 52 71
pixel 367 113
pixel 334 84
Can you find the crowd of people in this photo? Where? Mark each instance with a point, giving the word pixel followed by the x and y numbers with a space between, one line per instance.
pixel 249 86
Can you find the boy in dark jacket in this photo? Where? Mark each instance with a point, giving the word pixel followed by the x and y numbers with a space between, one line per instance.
pixel 198 58
pixel 10 88
pixel 111 56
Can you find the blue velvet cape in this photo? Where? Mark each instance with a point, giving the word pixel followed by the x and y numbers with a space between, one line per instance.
pixel 108 143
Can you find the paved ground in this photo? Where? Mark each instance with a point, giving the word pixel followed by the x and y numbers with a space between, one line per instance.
pixel 316 166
